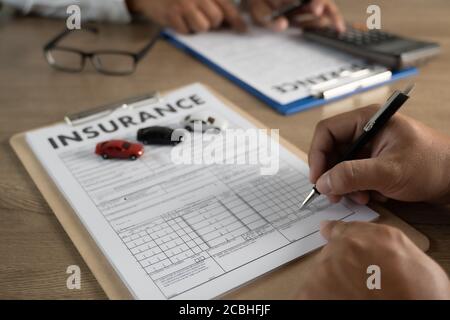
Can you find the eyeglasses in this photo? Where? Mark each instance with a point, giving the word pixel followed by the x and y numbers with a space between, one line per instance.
pixel 109 62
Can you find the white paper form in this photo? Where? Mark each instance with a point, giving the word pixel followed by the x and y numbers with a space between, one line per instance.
pixel 282 66
pixel 184 231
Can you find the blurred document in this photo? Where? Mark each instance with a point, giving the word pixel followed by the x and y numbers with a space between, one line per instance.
pixel 282 66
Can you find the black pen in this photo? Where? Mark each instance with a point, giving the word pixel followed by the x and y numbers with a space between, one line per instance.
pixel 372 127
pixel 286 10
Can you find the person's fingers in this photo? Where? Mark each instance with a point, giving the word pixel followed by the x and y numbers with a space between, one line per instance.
pixel 317 7
pixel 328 134
pixel 334 199
pixel 318 164
pixel 341 129
pixel 177 22
pixel 321 8
pixel 279 24
pixel 331 229
pixel 212 11
pixel 356 175
pixel 260 12
pixel 309 21
pixel 360 197
pixel 195 18
pixel 232 15
pixel 332 11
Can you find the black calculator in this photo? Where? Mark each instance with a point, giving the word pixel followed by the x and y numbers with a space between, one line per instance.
pixel 377 46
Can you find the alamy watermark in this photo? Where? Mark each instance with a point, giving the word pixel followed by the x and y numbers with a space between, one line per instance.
pixel 73 21
pixel 258 147
pixel 74 280
pixel 374 280
pixel 374 19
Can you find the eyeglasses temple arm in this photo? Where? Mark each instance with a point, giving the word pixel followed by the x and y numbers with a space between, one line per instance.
pixel 148 46
pixel 63 34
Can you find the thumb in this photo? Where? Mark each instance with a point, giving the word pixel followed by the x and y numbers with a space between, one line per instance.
pixel 356 175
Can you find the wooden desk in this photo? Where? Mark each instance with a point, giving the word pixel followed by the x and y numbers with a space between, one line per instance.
pixel 34 249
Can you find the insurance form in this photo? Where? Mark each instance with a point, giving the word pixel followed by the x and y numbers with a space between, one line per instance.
pixel 180 231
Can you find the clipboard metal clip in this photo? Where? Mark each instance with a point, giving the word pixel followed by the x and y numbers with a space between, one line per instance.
pixel 108 109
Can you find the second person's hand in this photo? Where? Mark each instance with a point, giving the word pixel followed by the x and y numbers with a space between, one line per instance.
pixel 323 10
pixel 340 269
pixel 406 161
pixel 187 16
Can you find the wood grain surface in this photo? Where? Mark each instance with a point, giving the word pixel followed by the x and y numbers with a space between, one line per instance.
pixel 34 249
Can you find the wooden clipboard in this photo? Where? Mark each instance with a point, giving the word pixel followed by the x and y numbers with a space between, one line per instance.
pixel 274 285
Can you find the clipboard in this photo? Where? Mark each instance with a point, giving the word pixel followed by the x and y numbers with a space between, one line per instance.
pixel 273 285
pixel 289 108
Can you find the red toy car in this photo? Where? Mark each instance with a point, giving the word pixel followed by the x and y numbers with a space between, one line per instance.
pixel 119 149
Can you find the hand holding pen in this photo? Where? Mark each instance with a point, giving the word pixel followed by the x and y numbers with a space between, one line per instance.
pixel 276 14
pixel 405 160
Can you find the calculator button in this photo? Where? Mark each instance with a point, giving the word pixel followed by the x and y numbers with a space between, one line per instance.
pixel 356 37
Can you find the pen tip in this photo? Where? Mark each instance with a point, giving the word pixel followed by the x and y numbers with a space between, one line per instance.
pixel 409 89
pixel 308 198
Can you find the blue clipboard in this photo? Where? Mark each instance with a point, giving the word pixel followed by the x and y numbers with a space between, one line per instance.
pixel 285 109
